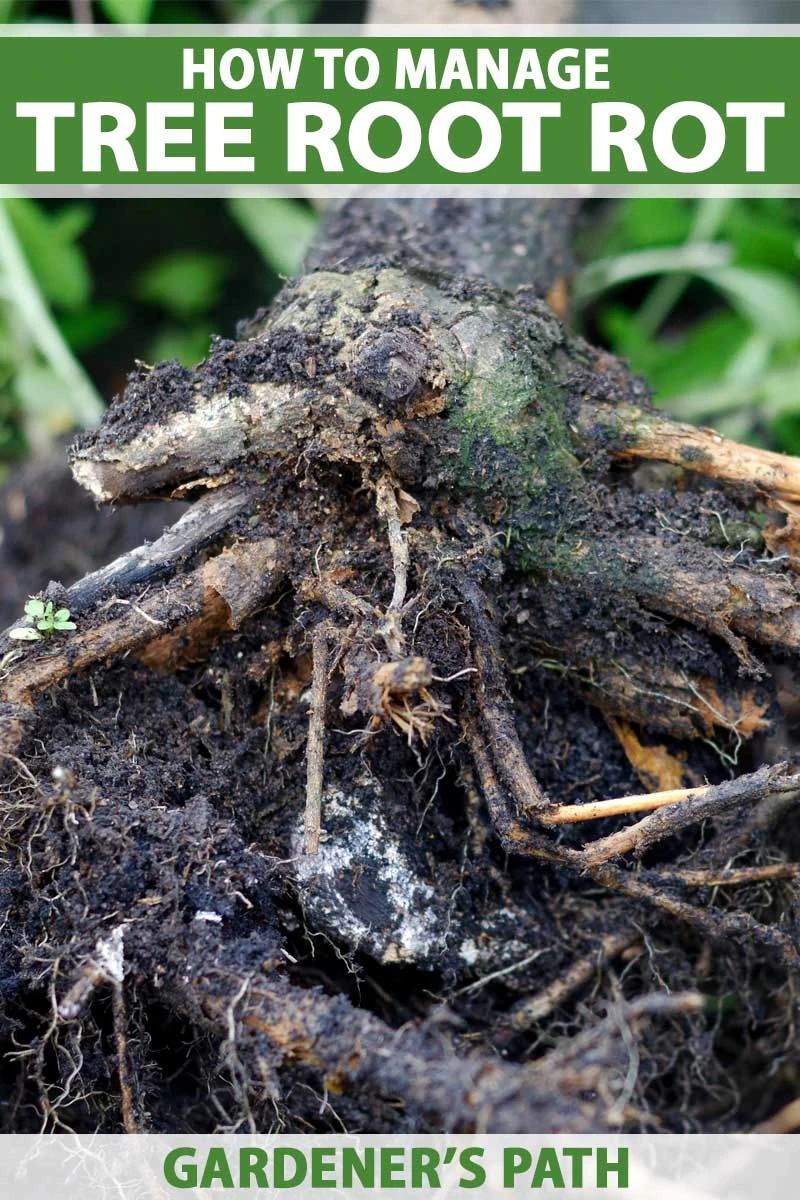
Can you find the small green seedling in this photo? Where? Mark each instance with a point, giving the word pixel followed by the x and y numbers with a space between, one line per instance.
pixel 41 620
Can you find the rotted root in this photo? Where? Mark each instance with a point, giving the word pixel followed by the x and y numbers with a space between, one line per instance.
pixel 270 1023
pixel 636 433
pixel 394 691
pixel 593 862
pixel 503 783
pixel 493 704
pixel 498 475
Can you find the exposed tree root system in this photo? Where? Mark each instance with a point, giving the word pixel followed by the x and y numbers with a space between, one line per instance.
pixel 431 771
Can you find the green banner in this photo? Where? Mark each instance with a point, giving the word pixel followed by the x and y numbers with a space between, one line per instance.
pixel 323 109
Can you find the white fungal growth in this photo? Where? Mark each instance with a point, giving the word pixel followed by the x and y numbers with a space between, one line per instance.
pixel 110 955
pixel 361 871
pixel 107 966
pixel 367 889
pixel 469 951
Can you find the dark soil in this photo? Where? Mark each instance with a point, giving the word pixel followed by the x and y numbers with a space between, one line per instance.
pixel 182 809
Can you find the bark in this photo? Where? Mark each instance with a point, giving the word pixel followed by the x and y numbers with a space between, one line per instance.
pixel 511 243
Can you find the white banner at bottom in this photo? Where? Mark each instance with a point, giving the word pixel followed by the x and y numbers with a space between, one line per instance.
pixel 664 1167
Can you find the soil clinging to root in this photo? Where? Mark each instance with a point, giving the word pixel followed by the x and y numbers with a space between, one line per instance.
pixel 431 772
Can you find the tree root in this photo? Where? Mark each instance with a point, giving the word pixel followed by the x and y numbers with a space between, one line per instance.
pixel 729 877
pixel 403 452
pixel 127 1108
pixel 675 809
pixel 493 705
pixel 635 433
pixel 409 1067
pixel 534 1009
pixel 197 530
pixel 733 605
pixel 568 814
pixel 390 511
pixel 699 804
pixel 164 616
pixel 518 839
pixel 273 1033
pixel 315 746
pixel 658 693
pixel 412 1068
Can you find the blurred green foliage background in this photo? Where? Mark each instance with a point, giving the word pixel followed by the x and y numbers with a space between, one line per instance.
pixel 702 296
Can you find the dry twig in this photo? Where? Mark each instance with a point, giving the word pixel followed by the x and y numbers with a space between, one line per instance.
pixel 315 748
